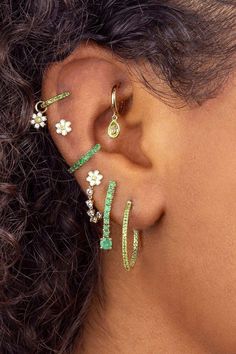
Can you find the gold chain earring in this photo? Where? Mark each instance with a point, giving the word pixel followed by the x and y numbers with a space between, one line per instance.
pixel 113 130
pixel 128 264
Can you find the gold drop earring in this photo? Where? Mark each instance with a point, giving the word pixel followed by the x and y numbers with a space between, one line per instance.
pixel 38 119
pixel 113 130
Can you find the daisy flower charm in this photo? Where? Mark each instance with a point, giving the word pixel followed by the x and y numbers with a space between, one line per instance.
pixel 63 127
pixel 38 120
pixel 94 178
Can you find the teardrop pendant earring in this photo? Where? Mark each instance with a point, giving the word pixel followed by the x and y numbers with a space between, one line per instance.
pixel 113 130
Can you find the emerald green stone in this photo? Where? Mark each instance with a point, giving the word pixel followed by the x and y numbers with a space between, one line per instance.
pixel 106 243
pixel 85 158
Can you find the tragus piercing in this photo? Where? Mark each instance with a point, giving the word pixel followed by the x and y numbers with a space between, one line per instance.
pixel 38 118
pixel 94 178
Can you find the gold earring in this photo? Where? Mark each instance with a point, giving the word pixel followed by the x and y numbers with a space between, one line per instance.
pixel 128 264
pixel 38 119
pixel 113 130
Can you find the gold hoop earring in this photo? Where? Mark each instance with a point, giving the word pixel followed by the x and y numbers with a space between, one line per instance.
pixel 113 130
pixel 38 119
pixel 128 264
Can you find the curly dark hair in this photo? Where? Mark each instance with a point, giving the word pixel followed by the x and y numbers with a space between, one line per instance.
pixel 49 253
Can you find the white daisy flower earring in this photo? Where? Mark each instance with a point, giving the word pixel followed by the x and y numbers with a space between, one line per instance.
pixel 94 178
pixel 63 127
pixel 38 119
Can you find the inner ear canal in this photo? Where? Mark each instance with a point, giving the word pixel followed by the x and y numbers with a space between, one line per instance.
pixel 128 143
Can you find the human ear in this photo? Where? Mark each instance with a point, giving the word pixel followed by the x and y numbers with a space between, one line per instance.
pixel 90 73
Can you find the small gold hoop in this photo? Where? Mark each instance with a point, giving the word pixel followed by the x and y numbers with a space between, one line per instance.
pixel 39 109
pixel 114 101
pixel 129 264
pixel 54 99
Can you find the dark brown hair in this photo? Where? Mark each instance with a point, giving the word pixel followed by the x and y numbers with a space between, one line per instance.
pixel 49 256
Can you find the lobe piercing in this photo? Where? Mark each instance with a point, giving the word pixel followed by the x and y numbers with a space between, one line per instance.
pixel 129 264
pixel 106 241
pixel 94 178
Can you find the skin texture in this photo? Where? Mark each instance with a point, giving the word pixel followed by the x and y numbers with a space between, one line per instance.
pixel 180 174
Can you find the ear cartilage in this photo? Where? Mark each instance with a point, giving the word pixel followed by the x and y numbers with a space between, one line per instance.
pixel 38 119
pixel 128 264
pixel 63 127
pixel 85 158
pixel 106 240
pixel 94 178
pixel 113 129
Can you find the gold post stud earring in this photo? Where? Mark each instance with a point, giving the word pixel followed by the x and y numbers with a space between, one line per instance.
pixel 113 130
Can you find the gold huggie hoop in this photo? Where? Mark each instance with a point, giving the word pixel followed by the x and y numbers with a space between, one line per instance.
pixel 129 264
pixel 38 120
pixel 61 96
pixel 113 101
pixel 113 130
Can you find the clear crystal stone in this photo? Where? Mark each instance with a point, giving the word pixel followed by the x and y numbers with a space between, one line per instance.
pixel 91 213
pixel 99 215
pixel 89 192
pixel 89 203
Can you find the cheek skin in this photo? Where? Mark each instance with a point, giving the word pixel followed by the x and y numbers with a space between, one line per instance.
pixel 195 246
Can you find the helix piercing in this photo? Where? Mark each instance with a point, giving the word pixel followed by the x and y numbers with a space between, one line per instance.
pixel 94 178
pixel 106 240
pixel 63 127
pixel 38 118
pixel 128 264
pixel 85 158
pixel 113 130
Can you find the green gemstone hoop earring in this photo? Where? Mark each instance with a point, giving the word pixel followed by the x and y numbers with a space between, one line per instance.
pixel 128 264
pixel 106 240
pixel 85 158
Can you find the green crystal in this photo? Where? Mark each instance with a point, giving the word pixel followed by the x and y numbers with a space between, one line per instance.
pixel 106 243
pixel 85 158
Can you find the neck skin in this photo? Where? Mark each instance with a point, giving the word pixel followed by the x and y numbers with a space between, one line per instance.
pixel 132 317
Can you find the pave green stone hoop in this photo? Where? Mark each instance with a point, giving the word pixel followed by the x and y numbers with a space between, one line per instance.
pixel 85 158
pixel 106 240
